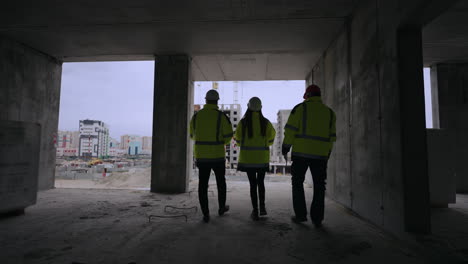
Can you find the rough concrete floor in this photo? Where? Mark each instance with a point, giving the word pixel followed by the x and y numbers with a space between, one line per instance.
pixel 111 226
pixel 450 227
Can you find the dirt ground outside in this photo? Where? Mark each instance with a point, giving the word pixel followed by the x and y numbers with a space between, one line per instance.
pixel 140 179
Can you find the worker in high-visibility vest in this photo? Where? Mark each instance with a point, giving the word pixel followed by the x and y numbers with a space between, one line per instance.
pixel 211 130
pixel 255 134
pixel 310 131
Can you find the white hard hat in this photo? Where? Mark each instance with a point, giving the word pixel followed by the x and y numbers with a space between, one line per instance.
pixel 255 104
pixel 212 95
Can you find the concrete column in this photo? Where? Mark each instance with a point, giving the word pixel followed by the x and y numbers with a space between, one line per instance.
pixel 413 131
pixel 173 108
pixel 450 100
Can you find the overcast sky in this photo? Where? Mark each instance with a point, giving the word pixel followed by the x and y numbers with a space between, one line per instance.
pixel 118 93
pixel 427 97
pixel 121 95
pixel 275 95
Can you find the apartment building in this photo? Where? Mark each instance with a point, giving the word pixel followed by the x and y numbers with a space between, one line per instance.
pixel 282 116
pixel 131 144
pixel 94 139
pixel 234 113
pixel 67 143
pixel 147 143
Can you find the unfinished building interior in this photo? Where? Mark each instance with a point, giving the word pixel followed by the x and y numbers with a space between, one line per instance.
pixel 386 174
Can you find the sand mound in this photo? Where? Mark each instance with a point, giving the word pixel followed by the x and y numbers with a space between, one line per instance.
pixel 134 178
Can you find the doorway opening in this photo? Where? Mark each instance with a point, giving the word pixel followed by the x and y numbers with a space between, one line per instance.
pixel 278 98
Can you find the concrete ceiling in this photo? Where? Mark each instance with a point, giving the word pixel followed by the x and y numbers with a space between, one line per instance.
pixel 227 39
pixel 446 38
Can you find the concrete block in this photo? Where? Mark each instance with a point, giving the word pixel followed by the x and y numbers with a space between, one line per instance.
pixel 30 92
pixel 19 163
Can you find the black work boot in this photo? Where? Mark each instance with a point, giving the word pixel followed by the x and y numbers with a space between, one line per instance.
pixel 221 211
pixel 298 220
pixel 317 224
pixel 263 210
pixel 254 215
pixel 206 218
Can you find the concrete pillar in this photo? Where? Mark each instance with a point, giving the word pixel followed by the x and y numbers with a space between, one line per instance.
pixel 413 131
pixel 30 92
pixel 173 108
pixel 450 100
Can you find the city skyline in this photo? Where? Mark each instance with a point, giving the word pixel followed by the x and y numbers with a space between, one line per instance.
pixel 114 138
pixel 77 130
pixel 121 93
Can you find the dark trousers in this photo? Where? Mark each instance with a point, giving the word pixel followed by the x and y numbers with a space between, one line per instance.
pixel 318 168
pixel 257 181
pixel 204 171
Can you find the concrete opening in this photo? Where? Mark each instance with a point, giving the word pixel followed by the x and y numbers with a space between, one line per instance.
pixel 428 100
pixel 278 99
pixel 445 58
pixel 104 132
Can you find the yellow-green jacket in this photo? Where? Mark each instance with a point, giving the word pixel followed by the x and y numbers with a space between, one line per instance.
pixel 254 151
pixel 211 130
pixel 310 130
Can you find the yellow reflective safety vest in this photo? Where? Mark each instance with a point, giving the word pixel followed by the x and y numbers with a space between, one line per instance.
pixel 311 130
pixel 254 151
pixel 211 130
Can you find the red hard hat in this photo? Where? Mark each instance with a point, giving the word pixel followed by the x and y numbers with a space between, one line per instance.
pixel 312 90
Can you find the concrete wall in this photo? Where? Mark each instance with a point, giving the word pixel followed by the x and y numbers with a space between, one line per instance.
pixel 450 98
pixel 442 166
pixel 30 91
pixel 19 164
pixel 359 74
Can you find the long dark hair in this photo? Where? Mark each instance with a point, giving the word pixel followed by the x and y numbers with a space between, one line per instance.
pixel 247 123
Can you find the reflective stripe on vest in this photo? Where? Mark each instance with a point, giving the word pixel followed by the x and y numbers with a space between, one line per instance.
pixel 291 127
pixel 244 129
pixel 304 127
pixel 254 148
pixel 194 122
pixel 324 139
pixel 210 160
pixel 218 126
pixel 209 143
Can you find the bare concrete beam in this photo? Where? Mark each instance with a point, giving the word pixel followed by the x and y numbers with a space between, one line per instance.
pixel 426 11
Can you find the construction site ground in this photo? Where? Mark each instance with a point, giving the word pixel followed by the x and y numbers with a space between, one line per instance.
pixel 140 178
pixel 136 226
